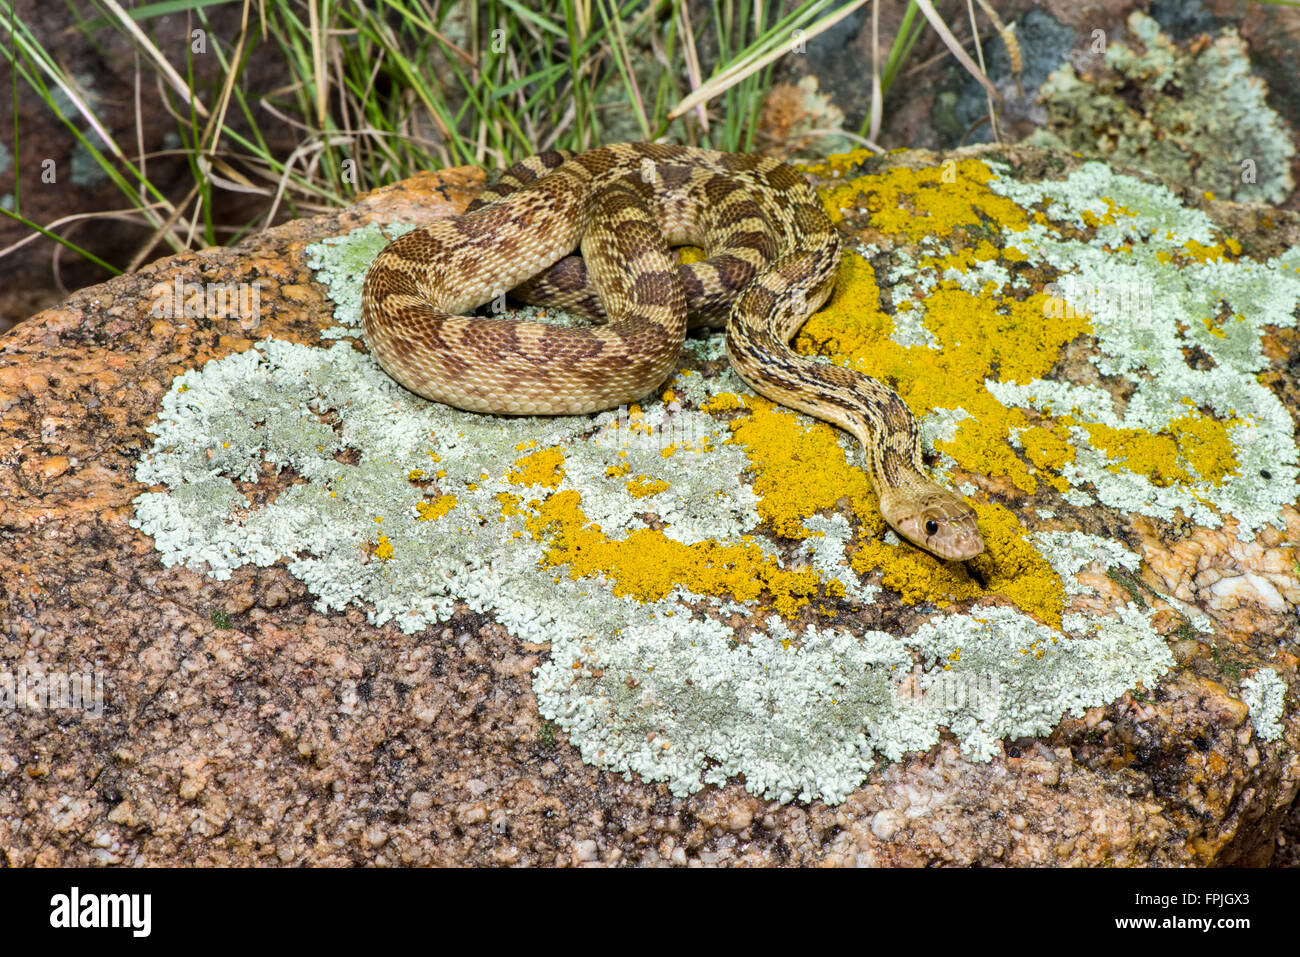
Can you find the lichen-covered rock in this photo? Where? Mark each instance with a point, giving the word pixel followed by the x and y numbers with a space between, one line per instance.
pixel 336 623
pixel 1194 114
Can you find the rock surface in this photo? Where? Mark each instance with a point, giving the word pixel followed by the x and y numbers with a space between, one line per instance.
pixel 242 724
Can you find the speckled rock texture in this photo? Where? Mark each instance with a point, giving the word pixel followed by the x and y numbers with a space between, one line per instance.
pixel 244 723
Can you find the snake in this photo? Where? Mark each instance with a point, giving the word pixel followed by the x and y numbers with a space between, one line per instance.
pixel 594 233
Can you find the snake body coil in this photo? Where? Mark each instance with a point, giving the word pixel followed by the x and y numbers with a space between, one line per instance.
pixel 772 256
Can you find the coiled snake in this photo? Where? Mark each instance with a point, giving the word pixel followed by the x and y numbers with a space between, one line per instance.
pixel 772 256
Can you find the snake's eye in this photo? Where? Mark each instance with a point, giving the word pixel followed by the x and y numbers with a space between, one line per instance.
pixel 931 527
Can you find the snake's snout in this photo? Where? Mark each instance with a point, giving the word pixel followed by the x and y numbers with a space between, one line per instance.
pixel 958 544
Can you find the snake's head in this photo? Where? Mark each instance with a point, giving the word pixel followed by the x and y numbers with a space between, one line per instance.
pixel 936 520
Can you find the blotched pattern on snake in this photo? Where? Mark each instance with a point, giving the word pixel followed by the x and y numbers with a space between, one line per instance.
pixel 771 254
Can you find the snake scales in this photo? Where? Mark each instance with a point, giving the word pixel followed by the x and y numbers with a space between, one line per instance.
pixel 772 256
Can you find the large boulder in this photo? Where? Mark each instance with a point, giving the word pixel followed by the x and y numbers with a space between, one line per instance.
pixel 312 619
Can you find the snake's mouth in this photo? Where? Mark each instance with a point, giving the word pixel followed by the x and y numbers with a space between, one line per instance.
pixel 958 545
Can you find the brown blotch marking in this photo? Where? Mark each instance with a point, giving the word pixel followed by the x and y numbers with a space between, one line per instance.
pixel 737 213
pixel 416 245
pixel 648 191
pixel 416 333
pixel 492 339
pixel 476 227
pixel 691 282
pixel 759 240
pixel 453 365
pixel 675 177
pixel 738 162
pixel 523 174
pixel 567 345
pixel 568 275
pixel 508 246
pixel 809 220
pixel 383 280
pixel 759 301
pixel 642 340
pixel 553 158
pixel 733 272
pixel 656 289
pixel 631 239
pixel 717 188
pixel 590 305
pixel 622 195
pixel 784 178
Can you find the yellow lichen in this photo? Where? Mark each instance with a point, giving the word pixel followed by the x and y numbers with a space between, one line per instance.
pixel 647 565
pixel 1204 444
pixel 837 164
pixel 383 548
pixel 1203 254
pixel 724 402
pixel 1155 457
pixel 1193 448
pixel 431 511
pixel 1049 451
pixel 544 468
pixel 643 486
pixel 925 202
pixel 981 337
pixel 1047 448
pixel 800 470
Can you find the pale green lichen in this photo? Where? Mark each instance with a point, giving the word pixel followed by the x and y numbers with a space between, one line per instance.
pixel 1144 311
pixel 350 255
pixel 808 715
pixel 84 170
pixel 825 551
pixel 1212 125
pixel 1265 696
